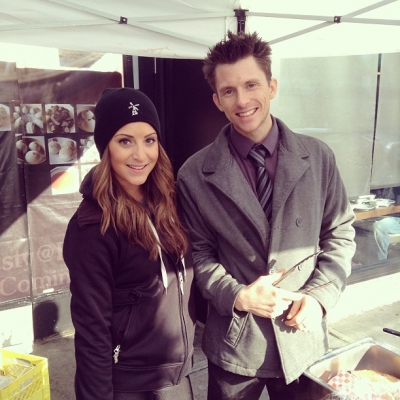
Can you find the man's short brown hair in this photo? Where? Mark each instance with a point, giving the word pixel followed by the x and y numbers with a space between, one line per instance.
pixel 236 47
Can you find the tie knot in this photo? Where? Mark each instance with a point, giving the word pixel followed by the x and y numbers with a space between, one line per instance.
pixel 257 154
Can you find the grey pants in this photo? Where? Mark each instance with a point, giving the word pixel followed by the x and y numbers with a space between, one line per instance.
pixel 183 391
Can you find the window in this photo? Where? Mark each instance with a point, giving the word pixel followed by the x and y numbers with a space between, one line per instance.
pixel 353 104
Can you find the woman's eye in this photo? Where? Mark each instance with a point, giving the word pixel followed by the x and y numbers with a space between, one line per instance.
pixel 150 140
pixel 124 142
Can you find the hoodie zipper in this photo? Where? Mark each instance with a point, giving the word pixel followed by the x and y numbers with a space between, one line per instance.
pixel 183 322
pixel 116 353
pixel 117 349
pixel 120 339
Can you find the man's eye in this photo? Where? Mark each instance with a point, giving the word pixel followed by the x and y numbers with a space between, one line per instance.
pixel 228 92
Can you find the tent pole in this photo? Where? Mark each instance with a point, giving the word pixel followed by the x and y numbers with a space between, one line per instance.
pixel 127 63
pixel 240 15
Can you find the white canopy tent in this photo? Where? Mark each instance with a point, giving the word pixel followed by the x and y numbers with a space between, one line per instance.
pixel 186 28
pixel 296 30
pixel 334 109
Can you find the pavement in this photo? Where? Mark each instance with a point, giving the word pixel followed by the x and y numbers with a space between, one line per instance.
pixel 59 349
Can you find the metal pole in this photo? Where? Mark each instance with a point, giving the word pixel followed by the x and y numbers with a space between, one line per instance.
pixel 240 15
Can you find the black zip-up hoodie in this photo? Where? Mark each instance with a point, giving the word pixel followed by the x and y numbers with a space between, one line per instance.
pixel 130 333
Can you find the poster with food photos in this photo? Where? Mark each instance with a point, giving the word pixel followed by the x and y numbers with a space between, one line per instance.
pixel 47 148
pixel 58 157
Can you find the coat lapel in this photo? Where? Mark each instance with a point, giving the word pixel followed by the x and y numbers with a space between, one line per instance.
pixel 292 164
pixel 222 171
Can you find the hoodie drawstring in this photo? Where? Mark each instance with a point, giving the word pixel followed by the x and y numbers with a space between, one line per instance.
pixel 163 269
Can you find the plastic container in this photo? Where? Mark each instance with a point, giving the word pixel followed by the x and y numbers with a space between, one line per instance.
pixel 31 375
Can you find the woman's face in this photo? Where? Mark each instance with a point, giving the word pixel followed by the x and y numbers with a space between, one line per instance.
pixel 133 155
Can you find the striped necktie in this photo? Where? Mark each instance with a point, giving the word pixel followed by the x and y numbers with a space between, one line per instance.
pixel 263 182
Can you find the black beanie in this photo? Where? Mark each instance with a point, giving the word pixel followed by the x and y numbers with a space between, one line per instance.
pixel 118 107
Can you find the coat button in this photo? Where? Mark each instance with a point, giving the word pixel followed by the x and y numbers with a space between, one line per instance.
pixel 299 221
pixel 247 235
pixel 133 296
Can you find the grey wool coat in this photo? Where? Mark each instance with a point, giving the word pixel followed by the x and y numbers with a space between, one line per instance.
pixel 234 244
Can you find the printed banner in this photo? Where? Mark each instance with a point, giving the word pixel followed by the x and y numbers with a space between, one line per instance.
pixel 46 149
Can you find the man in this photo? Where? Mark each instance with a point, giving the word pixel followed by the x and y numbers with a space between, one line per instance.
pixel 386 226
pixel 260 332
pixel 382 230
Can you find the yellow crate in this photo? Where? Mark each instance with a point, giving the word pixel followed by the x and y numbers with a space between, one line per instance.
pixel 34 382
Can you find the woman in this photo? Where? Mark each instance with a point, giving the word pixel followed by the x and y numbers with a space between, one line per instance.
pixel 127 254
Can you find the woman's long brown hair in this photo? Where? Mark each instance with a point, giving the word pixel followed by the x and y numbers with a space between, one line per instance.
pixel 124 213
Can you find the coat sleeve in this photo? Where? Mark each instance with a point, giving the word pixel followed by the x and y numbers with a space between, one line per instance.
pixel 215 283
pixel 90 258
pixel 336 239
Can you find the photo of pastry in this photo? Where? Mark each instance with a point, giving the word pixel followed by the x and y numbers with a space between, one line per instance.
pixel 5 120
pixel 85 118
pixel 88 151
pixel 62 150
pixel 30 149
pixel 60 118
pixel 64 180
pixel 28 119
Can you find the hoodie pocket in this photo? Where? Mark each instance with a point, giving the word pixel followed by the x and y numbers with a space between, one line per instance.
pixel 125 307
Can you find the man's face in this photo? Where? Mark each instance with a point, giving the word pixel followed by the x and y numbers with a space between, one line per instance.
pixel 243 94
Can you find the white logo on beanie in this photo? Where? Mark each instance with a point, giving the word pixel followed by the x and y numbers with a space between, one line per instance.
pixel 135 108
